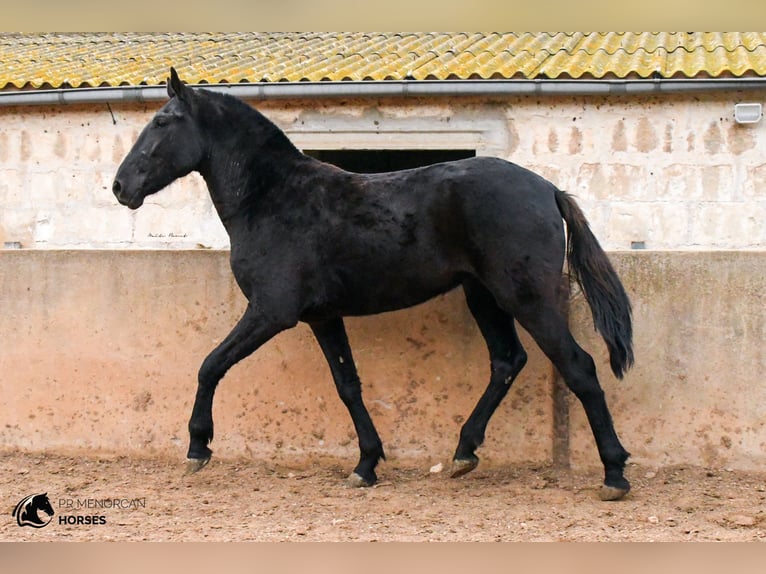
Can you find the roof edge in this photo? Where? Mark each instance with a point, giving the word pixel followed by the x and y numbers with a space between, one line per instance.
pixel 389 88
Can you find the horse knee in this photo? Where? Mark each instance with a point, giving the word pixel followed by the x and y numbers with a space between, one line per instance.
pixel 349 390
pixel 585 388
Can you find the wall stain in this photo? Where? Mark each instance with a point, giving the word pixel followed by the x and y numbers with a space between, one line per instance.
pixel 575 141
pixel 59 147
pixel 646 137
pixel 553 140
pixel 619 141
pixel 668 146
pixel 740 139
pixel 713 138
pixel 118 151
pixel 513 136
pixel 26 146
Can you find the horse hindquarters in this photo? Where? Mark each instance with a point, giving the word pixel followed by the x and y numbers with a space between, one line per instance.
pixel 520 263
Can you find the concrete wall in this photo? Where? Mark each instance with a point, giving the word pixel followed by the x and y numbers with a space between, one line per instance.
pixel 674 172
pixel 101 348
pixel 101 351
pixel 696 394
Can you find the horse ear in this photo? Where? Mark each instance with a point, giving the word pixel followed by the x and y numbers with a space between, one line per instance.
pixel 176 86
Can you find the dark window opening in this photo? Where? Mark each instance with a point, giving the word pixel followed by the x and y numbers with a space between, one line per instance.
pixel 380 160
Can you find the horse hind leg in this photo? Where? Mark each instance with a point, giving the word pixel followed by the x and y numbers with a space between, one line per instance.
pixel 507 359
pixel 548 326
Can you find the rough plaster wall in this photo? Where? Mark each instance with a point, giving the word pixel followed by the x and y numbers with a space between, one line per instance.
pixel 101 350
pixel 674 172
pixel 696 393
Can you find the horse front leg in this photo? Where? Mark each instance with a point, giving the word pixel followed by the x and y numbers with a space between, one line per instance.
pixel 333 340
pixel 252 331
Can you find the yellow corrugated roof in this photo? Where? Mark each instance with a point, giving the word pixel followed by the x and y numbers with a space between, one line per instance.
pixel 114 59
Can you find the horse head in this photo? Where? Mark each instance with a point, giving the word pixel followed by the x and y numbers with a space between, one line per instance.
pixel 26 511
pixel 42 502
pixel 169 147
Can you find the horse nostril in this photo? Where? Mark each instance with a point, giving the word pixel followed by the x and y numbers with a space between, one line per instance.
pixel 116 187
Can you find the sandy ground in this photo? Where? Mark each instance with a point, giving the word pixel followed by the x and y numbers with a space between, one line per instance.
pixel 307 500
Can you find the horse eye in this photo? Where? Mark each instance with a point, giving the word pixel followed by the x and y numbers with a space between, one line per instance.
pixel 161 121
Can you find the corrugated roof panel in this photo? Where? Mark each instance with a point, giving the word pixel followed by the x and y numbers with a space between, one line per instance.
pixel 506 65
pixel 716 62
pixel 111 59
pixel 601 64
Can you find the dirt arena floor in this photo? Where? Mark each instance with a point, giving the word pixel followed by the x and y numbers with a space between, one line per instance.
pixel 151 499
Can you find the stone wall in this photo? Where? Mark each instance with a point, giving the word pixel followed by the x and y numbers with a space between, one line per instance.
pixel 670 172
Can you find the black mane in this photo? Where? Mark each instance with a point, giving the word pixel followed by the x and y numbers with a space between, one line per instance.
pixel 250 142
pixel 225 112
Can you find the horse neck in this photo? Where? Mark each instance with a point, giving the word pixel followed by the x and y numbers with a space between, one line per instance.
pixel 247 162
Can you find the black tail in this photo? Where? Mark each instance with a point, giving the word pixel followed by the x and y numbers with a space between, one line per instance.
pixel 590 267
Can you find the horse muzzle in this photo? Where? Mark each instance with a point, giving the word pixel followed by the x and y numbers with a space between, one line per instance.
pixel 124 198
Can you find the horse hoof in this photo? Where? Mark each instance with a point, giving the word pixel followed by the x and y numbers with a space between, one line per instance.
pixel 461 467
pixel 195 464
pixel 356 481
pixel 612 492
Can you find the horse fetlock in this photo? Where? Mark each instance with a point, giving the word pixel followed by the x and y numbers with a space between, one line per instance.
pixel 615 486
pixel 199 454
pixel 201 432
pixel 470 440
pixel 198 450
pixel 614 463
pixel 373 453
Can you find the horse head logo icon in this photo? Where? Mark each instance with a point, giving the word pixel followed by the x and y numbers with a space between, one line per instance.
pixel 27 511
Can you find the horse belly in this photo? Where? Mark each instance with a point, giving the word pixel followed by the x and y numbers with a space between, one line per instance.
pixel 390 287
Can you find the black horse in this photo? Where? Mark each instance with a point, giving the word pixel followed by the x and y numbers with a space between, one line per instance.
pixel 311 242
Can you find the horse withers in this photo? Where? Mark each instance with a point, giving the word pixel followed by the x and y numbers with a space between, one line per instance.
pixel 314 243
